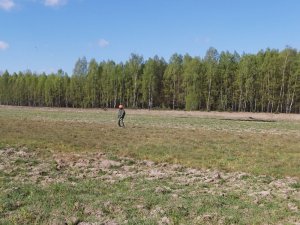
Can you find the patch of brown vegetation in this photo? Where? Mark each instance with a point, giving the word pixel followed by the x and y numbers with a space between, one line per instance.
pixel 178 113
pixel 60 167
pixel 214 114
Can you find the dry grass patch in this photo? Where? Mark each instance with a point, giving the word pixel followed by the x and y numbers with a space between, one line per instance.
pixel 88 188
pixel 200 142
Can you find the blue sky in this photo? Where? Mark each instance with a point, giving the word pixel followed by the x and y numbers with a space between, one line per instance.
pixel 47 35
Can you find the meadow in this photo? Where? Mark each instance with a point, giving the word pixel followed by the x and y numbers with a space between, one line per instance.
pixel 76 166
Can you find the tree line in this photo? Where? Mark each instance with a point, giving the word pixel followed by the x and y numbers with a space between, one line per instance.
pixel 268 81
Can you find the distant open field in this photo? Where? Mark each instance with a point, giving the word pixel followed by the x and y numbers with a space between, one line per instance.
pixel 256 143
pixel 76 166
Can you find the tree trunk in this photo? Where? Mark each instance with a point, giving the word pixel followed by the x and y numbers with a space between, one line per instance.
pixel 135 90
pixel 208 97
pixel 293 95
pixel 149 96
pixel 282 86
pixel 240 100
pixel 174 93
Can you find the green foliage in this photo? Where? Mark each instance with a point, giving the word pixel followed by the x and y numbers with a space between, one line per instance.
pixel 173 82
pixel 264 82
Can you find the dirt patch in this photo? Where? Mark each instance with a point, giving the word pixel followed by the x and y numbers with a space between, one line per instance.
pixel 251 119
pixel 224 115
pixel 60 167
pixel 27 166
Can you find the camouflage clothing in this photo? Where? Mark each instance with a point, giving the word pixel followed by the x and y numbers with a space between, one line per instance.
pixel 121 115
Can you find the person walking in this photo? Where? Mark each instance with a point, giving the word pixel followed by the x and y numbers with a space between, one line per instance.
pixel 121 116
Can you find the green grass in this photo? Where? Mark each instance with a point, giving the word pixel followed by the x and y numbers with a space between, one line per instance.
pixel 254 147
pixel 133 201
pixel 251 146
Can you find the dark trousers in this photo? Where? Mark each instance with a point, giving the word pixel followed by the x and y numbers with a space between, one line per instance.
pixel 121 122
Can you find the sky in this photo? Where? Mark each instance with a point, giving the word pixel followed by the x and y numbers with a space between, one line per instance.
pixel 48 35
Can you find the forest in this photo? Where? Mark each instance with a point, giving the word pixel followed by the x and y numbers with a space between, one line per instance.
pixel 268 81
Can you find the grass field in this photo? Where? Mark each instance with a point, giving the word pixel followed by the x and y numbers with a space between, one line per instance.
pixel 70 166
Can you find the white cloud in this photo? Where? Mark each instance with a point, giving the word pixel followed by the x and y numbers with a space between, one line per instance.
pixel 3 45
pixel 7 4
pixel 55 2
pixel 102 43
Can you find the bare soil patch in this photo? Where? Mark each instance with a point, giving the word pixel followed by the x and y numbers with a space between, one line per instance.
pixel 27 166
pixel 225 115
